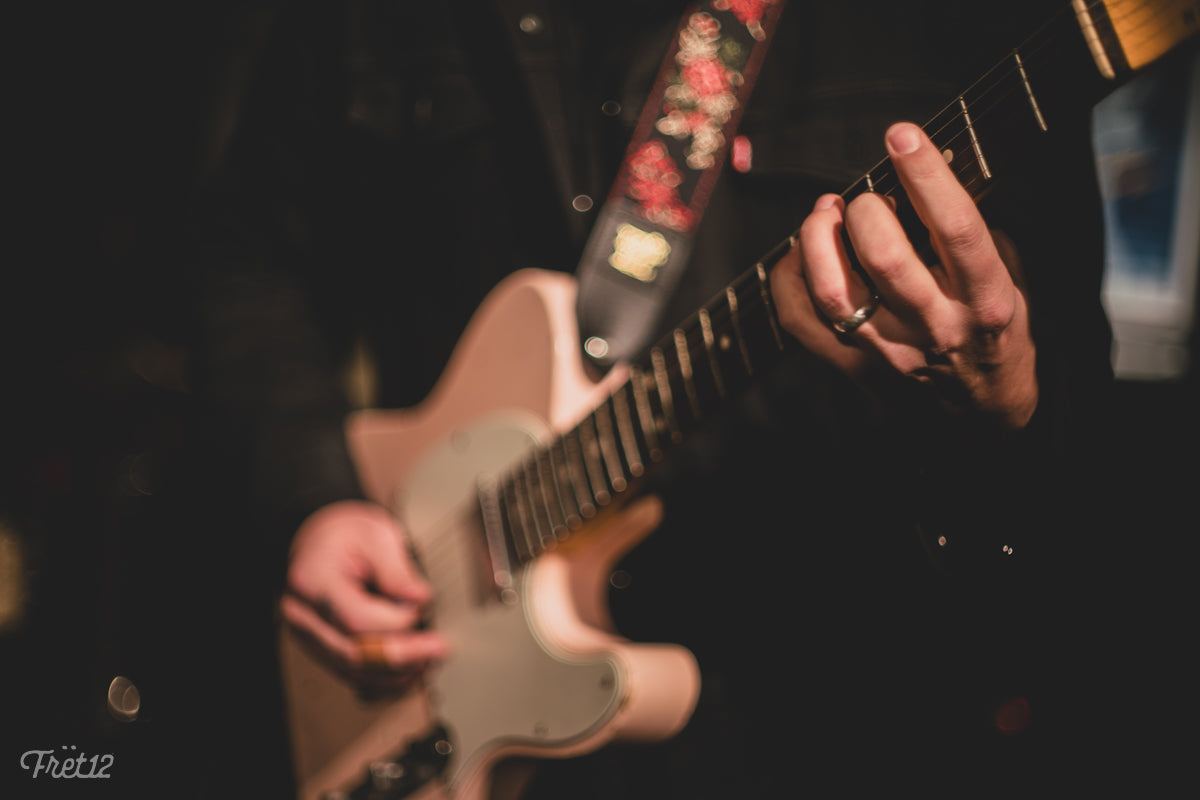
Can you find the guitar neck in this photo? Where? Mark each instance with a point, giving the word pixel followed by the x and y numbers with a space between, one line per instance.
pixel 1054 76
pixel 1060 71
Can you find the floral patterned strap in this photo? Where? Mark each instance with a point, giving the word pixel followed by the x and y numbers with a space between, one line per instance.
pixel 691 115
pixel 641 239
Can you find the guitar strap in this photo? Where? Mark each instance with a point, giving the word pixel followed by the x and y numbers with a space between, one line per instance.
pixel 643 234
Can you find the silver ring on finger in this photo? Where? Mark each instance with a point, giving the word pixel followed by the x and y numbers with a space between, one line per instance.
pixel 860 315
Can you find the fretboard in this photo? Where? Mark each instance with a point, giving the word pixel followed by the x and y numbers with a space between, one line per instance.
pixel 718 351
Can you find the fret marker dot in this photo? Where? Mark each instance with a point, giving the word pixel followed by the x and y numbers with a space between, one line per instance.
pixel 948 154
pixel 596 347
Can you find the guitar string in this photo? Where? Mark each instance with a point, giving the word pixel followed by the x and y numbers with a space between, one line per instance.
pixel 1031 49
pixel 954 113
pixel 721 317
pixel 1030 54
pixel 984 113
pixel 438 551
pixel 993 93
pixel 882 176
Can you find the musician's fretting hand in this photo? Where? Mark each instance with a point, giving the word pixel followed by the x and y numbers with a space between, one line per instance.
pixel 356 598
pixel 961 326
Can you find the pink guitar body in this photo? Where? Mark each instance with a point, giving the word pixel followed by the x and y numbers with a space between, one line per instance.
pixel 536 670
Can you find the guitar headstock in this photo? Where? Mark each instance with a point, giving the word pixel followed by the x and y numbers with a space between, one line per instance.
pixel 1126 35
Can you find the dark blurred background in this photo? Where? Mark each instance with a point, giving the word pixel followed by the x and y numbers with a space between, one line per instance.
pixel 115 113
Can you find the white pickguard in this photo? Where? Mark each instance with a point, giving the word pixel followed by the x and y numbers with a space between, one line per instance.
pixel 504 685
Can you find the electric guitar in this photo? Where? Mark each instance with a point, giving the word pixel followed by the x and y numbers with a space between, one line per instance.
pixel 516 477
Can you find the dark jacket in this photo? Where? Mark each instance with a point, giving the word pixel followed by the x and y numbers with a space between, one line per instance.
pixel 386 168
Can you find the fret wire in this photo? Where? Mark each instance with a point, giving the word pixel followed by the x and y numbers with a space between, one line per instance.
pixel 557 511
pixel 1094 41
pixel 569 496
pixel 1035 43
pixel 518 499
pixel 685 371
pixel 608 448
pixel 983 165
pixel 495 536
pixel 1018 86
pixel 731 300
pixel 629 443
pixel 662 383
pixel 1148 28
pixel 513 534
pixel 544 503
pixel 1033 103
pixel 746 296
pixel 699 343
pixel 887 182
pixel 724 325
pixel 709 348
pixel 573 453
pixel 1034 46
pixel 982 117
pixel 516 533
pixel 541 528
pixel 641 401
pixel 853 191
pixel 984 113
pixel 590 450
pixel 890 177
